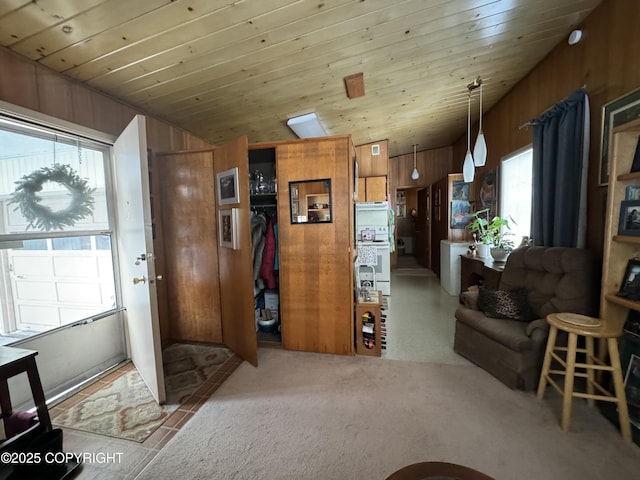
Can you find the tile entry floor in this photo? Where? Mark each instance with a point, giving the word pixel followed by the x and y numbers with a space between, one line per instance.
pixel 131 456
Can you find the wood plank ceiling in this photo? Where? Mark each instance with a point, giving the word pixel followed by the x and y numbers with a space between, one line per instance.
pixel 223 68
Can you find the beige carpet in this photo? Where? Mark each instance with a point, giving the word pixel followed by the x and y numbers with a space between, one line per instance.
pixel 317 416
pixel 126 409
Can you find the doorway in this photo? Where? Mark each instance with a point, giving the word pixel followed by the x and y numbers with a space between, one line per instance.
pixel 413 227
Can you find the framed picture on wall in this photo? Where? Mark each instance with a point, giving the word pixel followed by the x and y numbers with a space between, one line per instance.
pixel 227 186
pixel 489 193
pixel 401 210
pixel 615 113
pixel 460 210
pixel 227 236
pixel 629 222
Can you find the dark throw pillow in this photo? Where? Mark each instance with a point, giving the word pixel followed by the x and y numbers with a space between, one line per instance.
pixel 507 304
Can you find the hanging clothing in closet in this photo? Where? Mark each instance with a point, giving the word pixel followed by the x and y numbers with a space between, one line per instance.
pixel 258 235
pixel 269 256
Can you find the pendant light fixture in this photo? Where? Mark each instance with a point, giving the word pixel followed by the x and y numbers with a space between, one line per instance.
pixel 415 174
pixel 480 148
pixel 468 168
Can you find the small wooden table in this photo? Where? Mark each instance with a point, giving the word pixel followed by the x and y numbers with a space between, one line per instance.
pixel 474 269
pixel 14 361
pixel 438 471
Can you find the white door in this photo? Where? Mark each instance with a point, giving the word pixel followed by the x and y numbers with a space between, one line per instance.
pixel 135 252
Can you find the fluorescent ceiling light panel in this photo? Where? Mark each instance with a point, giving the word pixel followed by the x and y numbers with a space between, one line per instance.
pixel 306 126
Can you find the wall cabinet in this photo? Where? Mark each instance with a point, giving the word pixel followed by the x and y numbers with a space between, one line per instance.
pixel 372 189
pixel 619 249
pixel 373 159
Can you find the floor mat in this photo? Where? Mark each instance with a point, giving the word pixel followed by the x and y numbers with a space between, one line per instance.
pixel 126 409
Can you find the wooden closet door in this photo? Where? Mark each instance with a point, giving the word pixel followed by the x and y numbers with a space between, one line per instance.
pixel 236 266
pixel 190 252
pixel 316 276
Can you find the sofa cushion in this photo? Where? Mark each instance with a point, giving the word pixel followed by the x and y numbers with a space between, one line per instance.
pixel 509 304
pixel 510 333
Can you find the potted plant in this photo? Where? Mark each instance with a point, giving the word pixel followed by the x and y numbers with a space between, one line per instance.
pixel 491 235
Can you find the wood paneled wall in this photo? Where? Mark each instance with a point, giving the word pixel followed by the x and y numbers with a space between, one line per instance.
pixel 29 85
pixel 604 61
pixel 432 166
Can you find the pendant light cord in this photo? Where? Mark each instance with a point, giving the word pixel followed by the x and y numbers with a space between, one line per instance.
pixel 480 129
pixel 469 122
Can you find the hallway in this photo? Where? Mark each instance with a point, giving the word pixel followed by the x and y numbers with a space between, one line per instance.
pixel 420 319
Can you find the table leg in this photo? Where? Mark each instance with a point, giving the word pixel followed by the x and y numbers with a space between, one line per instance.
pixel 38 394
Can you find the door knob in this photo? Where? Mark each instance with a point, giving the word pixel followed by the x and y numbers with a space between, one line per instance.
pixel 137 280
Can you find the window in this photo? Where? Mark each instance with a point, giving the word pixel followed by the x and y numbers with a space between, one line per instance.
pixel 515 192
pixel 64 274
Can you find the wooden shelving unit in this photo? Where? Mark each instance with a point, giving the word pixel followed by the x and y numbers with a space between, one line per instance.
pixel 367 325
pixel 618 249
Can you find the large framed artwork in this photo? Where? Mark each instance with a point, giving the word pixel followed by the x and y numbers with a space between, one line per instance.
pixel 615 113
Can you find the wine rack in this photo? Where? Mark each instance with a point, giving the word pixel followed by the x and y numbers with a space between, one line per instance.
pixel 367 324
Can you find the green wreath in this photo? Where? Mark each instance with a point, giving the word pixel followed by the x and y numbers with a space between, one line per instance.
pixel 42 217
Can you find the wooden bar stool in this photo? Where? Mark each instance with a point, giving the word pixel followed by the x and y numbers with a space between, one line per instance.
pixel 590 328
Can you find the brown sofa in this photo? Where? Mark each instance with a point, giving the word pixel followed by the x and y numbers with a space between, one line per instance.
pixel 557 279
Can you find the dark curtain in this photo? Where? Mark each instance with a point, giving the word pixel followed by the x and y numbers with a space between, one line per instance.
pixel 560 163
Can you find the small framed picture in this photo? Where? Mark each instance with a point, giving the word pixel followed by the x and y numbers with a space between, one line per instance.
pixel 227 236
pixel 630 286
pixel 633 192
pixel 632 389
pixel 615 113
pixel 629 222
pixel 227 185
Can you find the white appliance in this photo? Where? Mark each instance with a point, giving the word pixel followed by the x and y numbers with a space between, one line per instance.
pixel 450 265
pixel 372 229
pixel 382 269
pixel 372 214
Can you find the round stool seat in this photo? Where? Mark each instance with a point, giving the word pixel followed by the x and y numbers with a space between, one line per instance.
pixel 437 471
pixel 583 325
